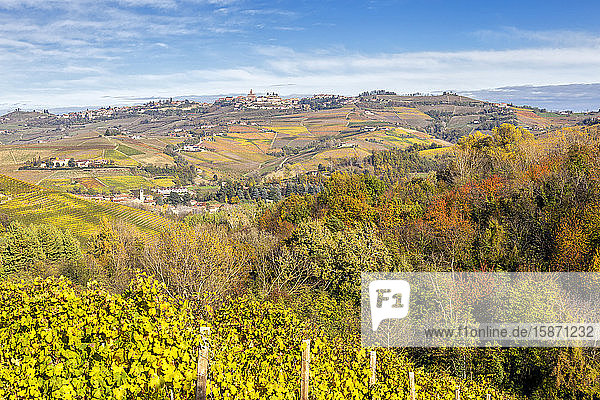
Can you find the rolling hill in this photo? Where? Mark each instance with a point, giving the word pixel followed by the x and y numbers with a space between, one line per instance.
pixel 28 203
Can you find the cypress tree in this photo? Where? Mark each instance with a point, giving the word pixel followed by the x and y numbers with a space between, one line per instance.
pixel 72 252
pixel 51 241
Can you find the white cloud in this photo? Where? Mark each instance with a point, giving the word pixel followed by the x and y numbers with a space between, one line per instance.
pixel 149 3
pixel 85 54
pixel 66 4
pixel 560 38
pixel 347 74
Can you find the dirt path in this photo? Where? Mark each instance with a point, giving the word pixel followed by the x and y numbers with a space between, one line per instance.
pixel 258 147
pixel 109 140
pixel 46 177
pixel 282 162
pixel 273 141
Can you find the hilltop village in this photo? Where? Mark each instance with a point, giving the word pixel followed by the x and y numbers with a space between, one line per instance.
pixel 252 101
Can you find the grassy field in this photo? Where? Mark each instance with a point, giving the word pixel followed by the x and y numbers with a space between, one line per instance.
pixel 164 182
pixel 128 151
pixel 127 182
pixel 291 130
pixel 33 204
pixel 119 158
pixel 61 184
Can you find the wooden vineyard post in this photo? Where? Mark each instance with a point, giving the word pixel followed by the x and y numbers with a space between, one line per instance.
pixel 488 397
pixel 457 394
pixel 411 378
pixel 373 364
pixel 305 372
pixel 202 369
pixel 202 373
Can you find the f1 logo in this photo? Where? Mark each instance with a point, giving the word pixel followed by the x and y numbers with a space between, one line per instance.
pixel 389 300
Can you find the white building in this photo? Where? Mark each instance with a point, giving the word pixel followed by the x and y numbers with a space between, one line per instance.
pixel 168 191
pixel 192 147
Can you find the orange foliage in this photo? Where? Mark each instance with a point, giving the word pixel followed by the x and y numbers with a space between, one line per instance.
pixel 539 171
pixel 489 188
pixel 451 228
pixel 572 245
pixel 577 240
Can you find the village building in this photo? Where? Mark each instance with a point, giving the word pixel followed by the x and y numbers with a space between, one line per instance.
pixel 192 147
pixel 168 191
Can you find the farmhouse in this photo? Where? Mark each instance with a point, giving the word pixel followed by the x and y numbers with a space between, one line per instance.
pixel 192 147
pixel 68 163
pixel 99 162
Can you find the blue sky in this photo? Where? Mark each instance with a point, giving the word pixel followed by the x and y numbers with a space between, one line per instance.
pixel 98 52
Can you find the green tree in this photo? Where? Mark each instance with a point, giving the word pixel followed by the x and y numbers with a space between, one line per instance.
pixel 71 248
pixel 51 241
pixel 19 248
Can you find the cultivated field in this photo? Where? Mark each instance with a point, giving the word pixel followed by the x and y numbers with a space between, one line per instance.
pixel 30 204
pixel 255 143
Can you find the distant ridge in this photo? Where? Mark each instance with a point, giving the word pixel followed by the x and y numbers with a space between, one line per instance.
pixel 133 101
pixel 575 97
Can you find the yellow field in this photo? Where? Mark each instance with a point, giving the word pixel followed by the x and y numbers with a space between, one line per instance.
pixel 434 152
pixel 33 204
pixel 164 182
pixel 209 156
pixel 527 117
pixel 127 182
pixel 409 112
pixel 291 130
pixel 325 129
pixel 252 135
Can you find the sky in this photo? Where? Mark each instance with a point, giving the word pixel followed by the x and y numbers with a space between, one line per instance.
pixel 60 53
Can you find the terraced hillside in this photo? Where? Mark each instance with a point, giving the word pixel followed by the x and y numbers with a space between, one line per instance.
pixel 29 203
